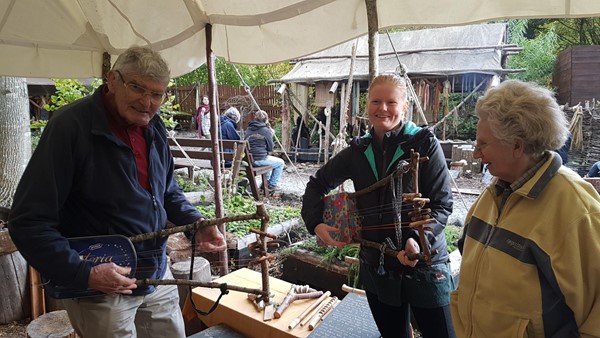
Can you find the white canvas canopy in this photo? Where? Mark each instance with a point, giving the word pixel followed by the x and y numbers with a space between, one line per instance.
pixel 67 38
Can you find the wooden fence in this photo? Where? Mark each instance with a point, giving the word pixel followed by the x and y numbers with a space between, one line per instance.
pixel 266 96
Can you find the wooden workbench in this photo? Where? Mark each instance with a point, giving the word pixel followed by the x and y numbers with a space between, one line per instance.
pixel 236 311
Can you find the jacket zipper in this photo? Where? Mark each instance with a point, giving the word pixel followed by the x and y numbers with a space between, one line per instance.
pixel 485 246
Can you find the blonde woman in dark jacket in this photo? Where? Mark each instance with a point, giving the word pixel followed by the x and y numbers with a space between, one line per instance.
pixel 395 286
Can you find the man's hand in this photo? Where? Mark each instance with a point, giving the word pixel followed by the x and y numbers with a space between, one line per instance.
pixel 210 239
pixel 323 231
pixel 411 247
pixel 111 278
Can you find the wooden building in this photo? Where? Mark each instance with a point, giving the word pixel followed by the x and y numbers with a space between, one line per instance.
pixel 576 75
pixel 266 97
pixel 438 61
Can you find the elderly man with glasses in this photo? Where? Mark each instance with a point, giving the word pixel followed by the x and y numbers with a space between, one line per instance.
pixel 103 167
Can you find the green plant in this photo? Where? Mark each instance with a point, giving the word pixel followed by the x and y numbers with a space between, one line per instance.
pixel 35 139
pixel 241 205
pixel 69 91
pixel 466 127
pixel 330 255
pixel 38 124
pixel 169 109
pixel 452 233
pixel 538 55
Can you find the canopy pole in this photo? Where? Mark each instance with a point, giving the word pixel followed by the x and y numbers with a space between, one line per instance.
pixel 105 66
pixel 214 132
pixel 373 24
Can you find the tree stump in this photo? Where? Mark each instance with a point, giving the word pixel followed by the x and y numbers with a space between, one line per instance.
pixel 14 299
pixel 202 273
pixel 181 270
pixel 54 324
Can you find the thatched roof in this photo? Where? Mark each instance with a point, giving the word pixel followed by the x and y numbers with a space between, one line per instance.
pixel 437 52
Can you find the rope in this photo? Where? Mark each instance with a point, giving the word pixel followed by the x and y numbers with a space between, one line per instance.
pixel 576 128
pixel 249 92
pixel 409 85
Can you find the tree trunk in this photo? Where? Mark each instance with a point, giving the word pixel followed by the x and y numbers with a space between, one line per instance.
pixel 15 135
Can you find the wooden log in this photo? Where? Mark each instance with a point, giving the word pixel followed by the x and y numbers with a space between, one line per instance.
pixel 181 270
pixel 456 153
pixel 467 155
pixel 14 298
pixel 54 324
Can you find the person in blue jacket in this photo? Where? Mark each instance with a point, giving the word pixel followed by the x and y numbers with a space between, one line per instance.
pixel 395 286
pixel 228 128
pixel 103 167
pixel 228 124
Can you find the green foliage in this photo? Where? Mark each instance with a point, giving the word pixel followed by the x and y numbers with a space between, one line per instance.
pixel 198 184
pixel 169 109
pixel 38 124
pixel 254 75
pixel 538 55
pixel 569 32
pixel 168 120
pixel 466 123
pixel 241 205
pixel 330 254
pixel 278 127
pixel 35 139
pixel 68 91
pixel 452 233
pixel 466 128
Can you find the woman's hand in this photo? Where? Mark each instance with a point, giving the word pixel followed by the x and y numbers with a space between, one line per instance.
pixel 411 247
pixel 323 231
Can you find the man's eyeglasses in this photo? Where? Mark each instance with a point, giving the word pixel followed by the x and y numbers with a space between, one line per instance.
pixel 481 146
pixel 136 90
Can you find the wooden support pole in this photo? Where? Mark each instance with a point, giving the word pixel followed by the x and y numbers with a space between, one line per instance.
pixel 38 300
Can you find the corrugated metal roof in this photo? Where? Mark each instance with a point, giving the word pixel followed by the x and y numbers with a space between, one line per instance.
pixel 438 51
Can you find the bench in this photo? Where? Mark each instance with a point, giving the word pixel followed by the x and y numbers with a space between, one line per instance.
pixel 200 155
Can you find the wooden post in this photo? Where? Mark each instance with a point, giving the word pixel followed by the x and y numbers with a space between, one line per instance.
pixel 328 127
pixel 38 301
pixel 285 124
pixel 373 24
pixel 212 82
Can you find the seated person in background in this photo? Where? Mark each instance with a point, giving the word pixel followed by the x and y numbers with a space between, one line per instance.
pixel 228 128
pixel 260 140
pixel 228 124
pixel 594 170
